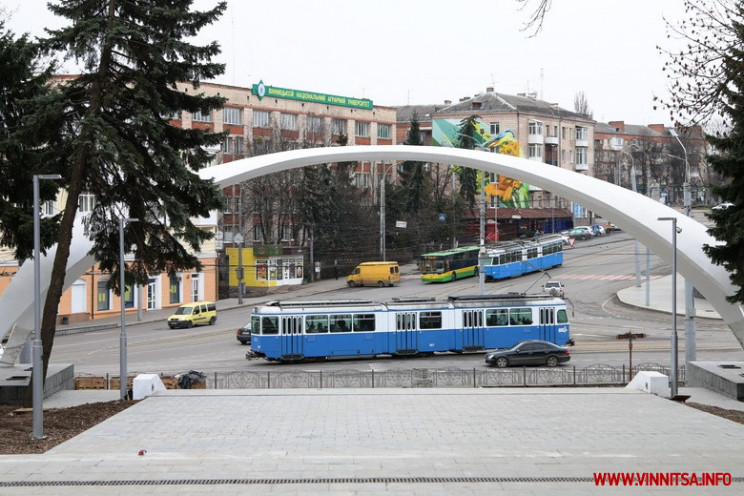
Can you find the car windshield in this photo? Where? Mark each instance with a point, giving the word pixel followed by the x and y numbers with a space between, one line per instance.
pixel 183 311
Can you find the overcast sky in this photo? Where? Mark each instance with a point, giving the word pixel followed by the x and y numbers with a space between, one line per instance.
pixel 398 52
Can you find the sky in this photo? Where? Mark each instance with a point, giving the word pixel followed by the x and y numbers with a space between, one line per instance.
pixel 416 52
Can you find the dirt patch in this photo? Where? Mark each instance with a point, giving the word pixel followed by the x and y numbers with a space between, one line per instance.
pixel 60 424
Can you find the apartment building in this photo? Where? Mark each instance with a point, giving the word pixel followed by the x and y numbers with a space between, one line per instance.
pixel 545 132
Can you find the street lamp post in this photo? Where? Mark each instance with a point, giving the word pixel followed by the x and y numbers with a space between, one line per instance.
pixel 38 367
pixel 690 328
pixel 686 196
pixel 674 302
pixel 123 394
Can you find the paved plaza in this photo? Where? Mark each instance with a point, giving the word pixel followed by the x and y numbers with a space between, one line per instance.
pixel 400 441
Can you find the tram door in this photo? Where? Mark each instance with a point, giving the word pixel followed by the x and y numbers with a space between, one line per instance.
pixel 405 333
pixel 473 332
pixel 547 324
pixel 291 342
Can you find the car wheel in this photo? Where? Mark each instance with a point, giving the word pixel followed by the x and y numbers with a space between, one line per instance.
pixel 380 284
pixel 352 284
pixel 502 362
pixel 189 324
pixel 552 361
pixel 212 320
pixel 171 326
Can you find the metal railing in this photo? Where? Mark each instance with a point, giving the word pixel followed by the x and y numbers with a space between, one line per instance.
pixel 595 375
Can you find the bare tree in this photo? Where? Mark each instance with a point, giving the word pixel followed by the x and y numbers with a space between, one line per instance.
pixel 581 105
pixel 538 15
pixel 698 82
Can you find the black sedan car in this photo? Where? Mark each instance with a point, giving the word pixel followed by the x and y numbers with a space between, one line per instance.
pixel 533 352
pixel 244 334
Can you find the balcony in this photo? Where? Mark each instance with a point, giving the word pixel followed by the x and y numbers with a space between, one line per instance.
pixel 581 167
pixel 582 142
pixel 535 139
pixel 551 140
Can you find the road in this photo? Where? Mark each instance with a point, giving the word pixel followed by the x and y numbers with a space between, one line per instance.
pixel 593 272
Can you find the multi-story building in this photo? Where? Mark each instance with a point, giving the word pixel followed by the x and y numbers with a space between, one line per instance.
pixel 546 133
pixel 257 120
pixel 654 160
pixel 265 119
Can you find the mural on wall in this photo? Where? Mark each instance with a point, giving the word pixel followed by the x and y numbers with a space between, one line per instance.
pixel 510 192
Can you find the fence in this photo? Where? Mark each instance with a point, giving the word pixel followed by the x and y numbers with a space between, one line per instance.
pixel 596 375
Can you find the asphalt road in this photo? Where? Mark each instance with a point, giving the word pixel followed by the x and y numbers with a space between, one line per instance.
pixel 593 272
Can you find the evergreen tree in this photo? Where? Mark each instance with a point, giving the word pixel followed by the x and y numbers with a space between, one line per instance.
pixel 412 174
pixel 116 141
pixel 468 176
pixel 22 153
pixel 729 163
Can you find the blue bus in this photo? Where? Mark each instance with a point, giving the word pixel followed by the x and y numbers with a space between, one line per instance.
pixel 516 258
pixel 297 330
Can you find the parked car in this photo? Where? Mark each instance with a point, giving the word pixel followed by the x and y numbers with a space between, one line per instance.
pixel 244 334
pixel 611 227
pixel 598 230
pixel 532 352
pixel 581 232
pixel 555 288
pixel 723 206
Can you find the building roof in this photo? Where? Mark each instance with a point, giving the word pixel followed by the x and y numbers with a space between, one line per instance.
pixel 423 112
pixel 492 102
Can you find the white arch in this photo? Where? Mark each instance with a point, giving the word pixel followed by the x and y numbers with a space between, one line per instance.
pixel 637 214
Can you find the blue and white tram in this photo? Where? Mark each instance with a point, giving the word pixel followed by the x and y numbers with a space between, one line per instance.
pixel 516 258
pixel 296 330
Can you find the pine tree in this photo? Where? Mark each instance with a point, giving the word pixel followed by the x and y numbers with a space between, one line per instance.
pixel 412 174
pixel 116 140
pixel 468 176
pixel 729 163
pixel 22 153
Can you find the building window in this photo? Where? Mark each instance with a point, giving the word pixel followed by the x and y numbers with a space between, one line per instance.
pixel 361 129
pixel 338 127
pixel 383 131
pixel 285 232
pixel 47 208
pixel 199 117
pixel 563 156
pixel 289 122
pixel 535 128
pixel 535 151
pixel 563 133
pixel 495 128
pixel 260 118
pixel 86 202
pixel 232 115
pixel 103 295
pixel 174 116
pixel 361 180
pixel 233 145
pixel 571 156
pixel 314 124
pixel 257 233
pixel 582 154
pixel 582 133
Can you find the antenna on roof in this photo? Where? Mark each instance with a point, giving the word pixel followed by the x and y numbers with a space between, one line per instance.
pixel 542 79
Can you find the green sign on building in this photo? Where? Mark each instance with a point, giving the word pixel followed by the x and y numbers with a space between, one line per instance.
pixel 262 91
